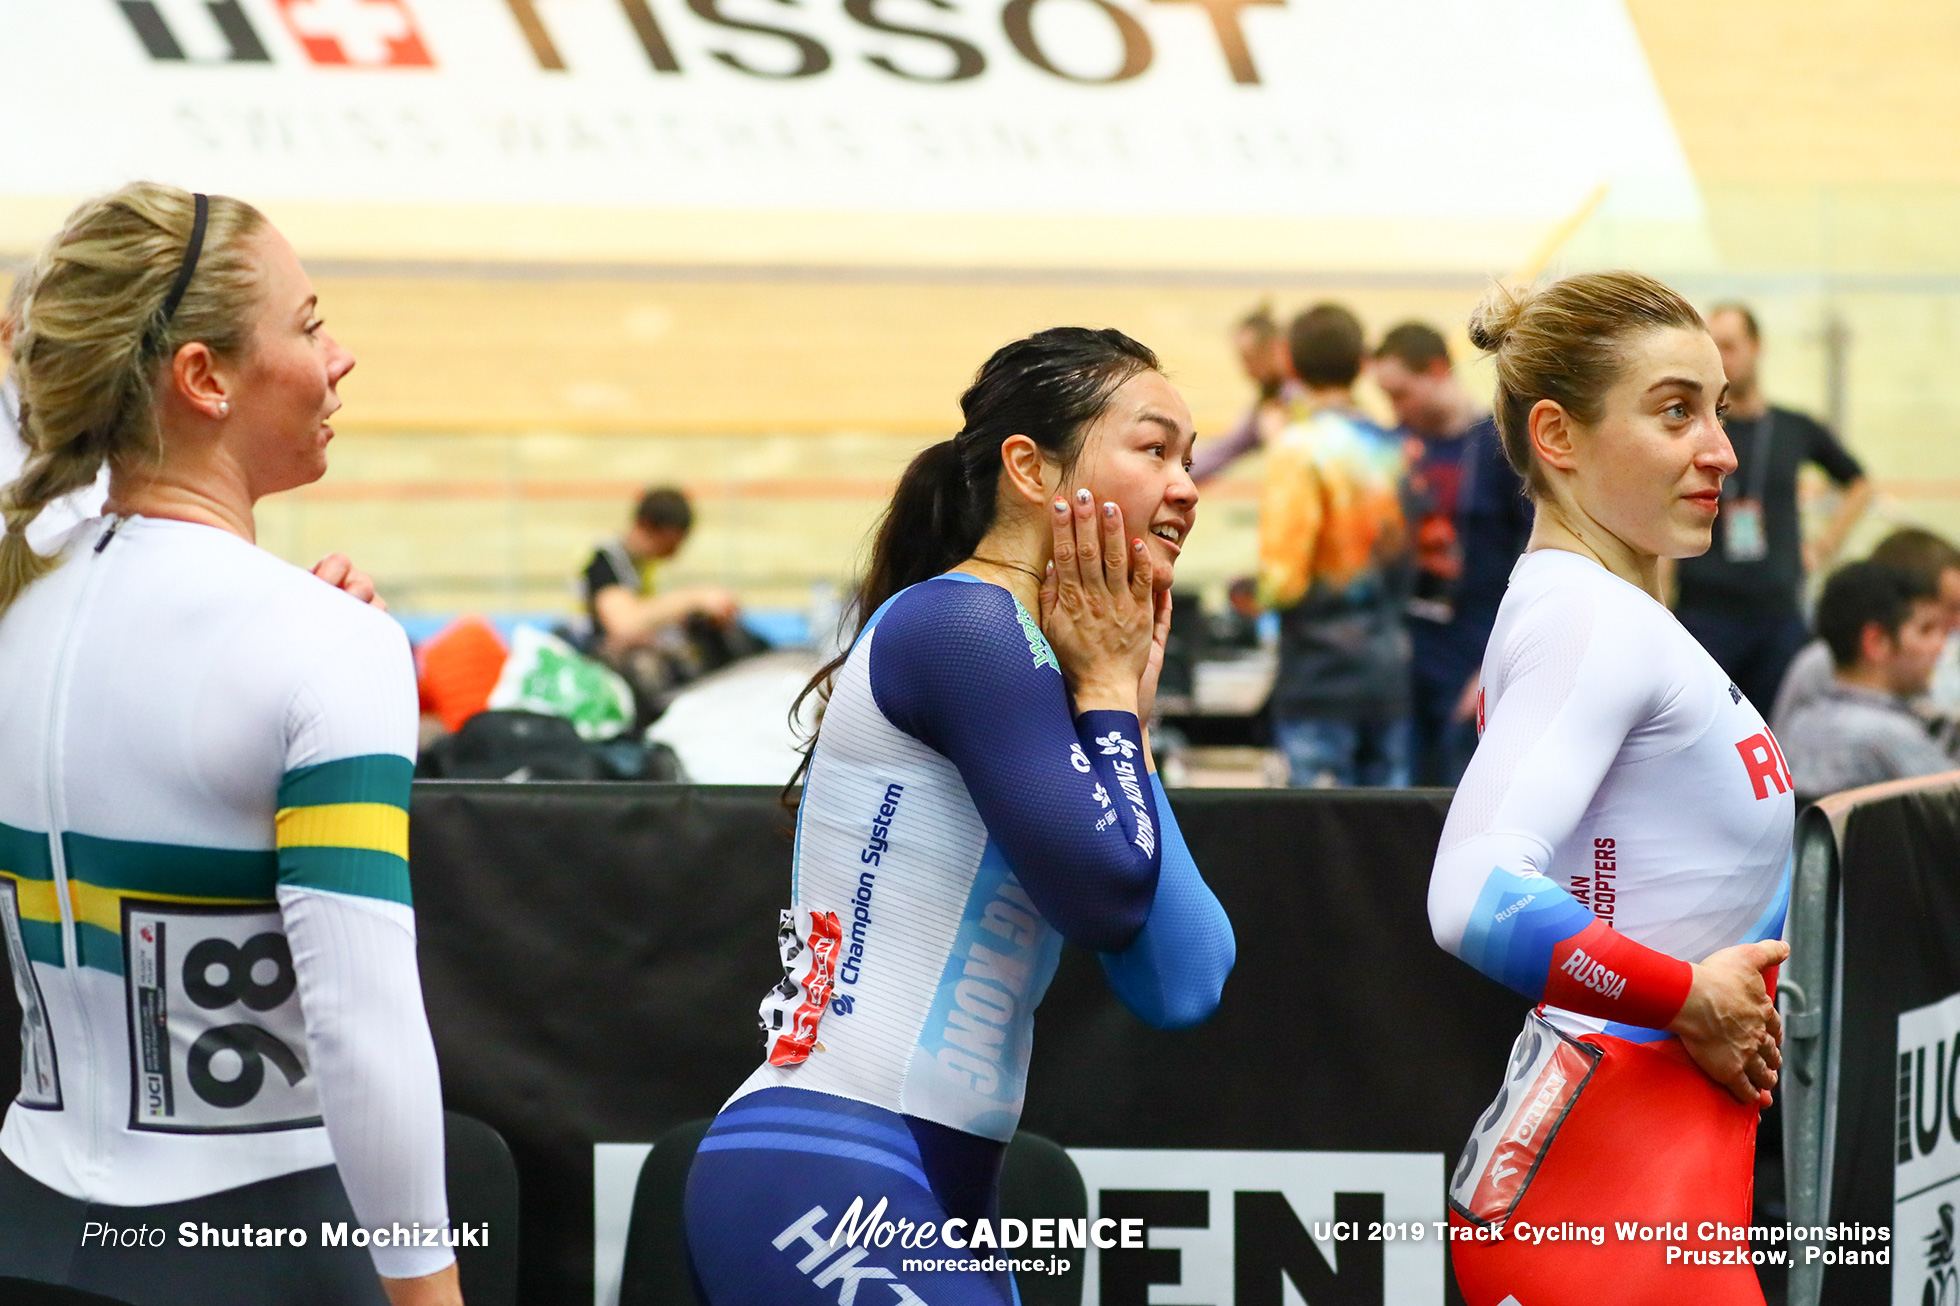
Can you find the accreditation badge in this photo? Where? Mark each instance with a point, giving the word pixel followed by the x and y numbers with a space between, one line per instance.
pixel 1743 537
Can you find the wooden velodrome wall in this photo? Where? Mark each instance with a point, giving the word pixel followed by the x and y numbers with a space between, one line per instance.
pixel 787 405
pixel 501 417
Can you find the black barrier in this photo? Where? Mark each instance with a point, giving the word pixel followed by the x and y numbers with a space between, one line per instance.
pixel 593 954
pixel 1807 991
pixel 1897 1111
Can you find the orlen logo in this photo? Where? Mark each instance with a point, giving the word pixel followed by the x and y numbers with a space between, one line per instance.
pixel 333 33
pixel 1764 762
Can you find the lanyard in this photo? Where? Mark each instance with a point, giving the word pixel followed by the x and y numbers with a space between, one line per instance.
pixel 1758 459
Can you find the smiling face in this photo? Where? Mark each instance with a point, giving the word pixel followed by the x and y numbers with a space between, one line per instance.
pixel 1137 455
pixel 283 391
pixel 1650 469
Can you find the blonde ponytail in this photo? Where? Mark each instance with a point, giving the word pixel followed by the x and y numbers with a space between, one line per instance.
pixel 92 342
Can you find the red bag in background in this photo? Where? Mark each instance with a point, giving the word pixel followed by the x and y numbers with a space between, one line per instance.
pixel 457 669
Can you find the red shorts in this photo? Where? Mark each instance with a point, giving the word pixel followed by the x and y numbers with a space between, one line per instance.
pixel 1649 1140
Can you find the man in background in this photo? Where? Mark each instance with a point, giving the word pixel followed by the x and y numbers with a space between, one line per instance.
pixel 1937 563
pixel 1331 550
pixel 1469 519
pixel 1740 599
pixel 621 596
pixel 658 639
pixel 1268 364
pixel 1884 626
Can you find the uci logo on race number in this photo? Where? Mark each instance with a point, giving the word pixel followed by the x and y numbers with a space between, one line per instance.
pixel 216 1034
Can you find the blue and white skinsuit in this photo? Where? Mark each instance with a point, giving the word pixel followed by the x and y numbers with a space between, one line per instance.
pixel 961 822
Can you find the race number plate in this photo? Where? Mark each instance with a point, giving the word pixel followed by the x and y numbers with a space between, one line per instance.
pixel 217 1044
pixel 1543 1079
pixel 40 1075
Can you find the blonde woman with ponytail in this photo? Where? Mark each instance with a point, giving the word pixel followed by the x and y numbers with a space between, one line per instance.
pixel 204 769
pixel 1618 850
pixel 56 519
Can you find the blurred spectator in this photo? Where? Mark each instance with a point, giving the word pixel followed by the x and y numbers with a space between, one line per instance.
pixel 65 512
pixel 658 640
pixel 1936 562
pixel 1469 519
pixel 1740 599
pixel 1884 626
pixel 1238 625
pixel 620 582
pixel 1330 543
pixel 1268 363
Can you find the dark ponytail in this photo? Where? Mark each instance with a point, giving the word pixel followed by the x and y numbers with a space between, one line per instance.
pixel 938 514
pixel 1049 387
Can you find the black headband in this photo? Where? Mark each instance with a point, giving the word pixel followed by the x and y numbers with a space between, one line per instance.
pixel 189 268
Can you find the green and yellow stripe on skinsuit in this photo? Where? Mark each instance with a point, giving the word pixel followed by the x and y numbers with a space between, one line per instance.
pixel 343 826
pixel 25 862
pixel 104 873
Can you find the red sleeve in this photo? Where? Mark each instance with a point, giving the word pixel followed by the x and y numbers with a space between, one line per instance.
pixel 1601 972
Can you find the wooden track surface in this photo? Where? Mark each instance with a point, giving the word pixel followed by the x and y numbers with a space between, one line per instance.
pixel 500 420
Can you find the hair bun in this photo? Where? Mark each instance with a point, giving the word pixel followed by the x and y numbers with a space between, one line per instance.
pixel 1492 320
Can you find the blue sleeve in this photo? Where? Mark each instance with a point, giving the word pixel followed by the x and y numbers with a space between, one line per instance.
pixel 1172 976
pixel 959 666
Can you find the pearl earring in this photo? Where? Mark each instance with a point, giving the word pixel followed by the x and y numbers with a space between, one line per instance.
pixel 224 408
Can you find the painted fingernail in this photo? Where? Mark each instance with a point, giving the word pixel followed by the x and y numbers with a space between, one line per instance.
pixel 1082 496
pixel 1109 510
pixel 1136 546
pixel 1061 504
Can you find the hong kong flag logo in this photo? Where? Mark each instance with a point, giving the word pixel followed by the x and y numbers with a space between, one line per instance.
pixel 357 33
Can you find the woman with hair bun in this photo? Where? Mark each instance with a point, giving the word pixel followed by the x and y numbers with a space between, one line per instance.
pixel 205 757
pixel 1618 850
pixel 979 791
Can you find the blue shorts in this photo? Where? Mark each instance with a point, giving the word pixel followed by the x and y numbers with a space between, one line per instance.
pixel 780 1168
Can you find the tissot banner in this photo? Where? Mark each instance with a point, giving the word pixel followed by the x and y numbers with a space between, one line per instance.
pixel 1405 109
